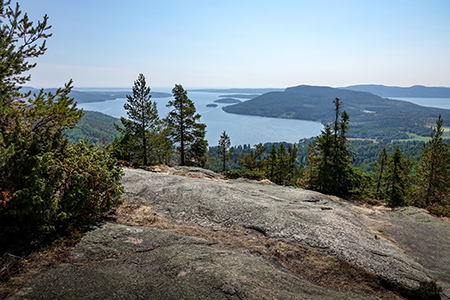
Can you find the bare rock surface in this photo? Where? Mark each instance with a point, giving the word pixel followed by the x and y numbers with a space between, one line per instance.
pixel 304 217
pixel 403 248
pixel 122 262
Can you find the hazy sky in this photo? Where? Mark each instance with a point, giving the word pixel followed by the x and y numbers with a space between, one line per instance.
pixel 215 43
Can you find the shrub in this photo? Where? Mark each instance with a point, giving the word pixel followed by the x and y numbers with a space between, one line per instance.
pixel 244 173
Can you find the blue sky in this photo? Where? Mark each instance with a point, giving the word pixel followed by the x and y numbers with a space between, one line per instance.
pixel 242 43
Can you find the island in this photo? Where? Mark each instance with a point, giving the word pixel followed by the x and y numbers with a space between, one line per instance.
pixel 211 105
pixel 371 116
pixel 242 96
pixel 228 100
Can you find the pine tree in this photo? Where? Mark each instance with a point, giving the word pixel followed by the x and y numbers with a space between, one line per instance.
pixel 142 115
pixel 45 183
pixel 185 129
pixel 224 150
pixel 397 179
pixel 434 168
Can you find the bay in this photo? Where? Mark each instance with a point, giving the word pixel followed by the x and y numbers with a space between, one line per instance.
pixel 241 129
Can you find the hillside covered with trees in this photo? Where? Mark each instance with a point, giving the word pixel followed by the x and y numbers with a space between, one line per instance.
pixel 372 117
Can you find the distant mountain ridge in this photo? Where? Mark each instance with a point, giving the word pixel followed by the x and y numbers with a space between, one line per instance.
pixel 416 91
pixel 371 116
pixel 95 96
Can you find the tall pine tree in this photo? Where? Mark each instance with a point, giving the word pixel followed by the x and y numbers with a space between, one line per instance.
pixel 142 116
pixel 186 131
pixel 224 150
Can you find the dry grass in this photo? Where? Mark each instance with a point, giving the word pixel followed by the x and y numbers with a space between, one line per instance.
pixel 16 270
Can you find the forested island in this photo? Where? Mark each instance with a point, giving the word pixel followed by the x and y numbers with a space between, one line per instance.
pixel 372 117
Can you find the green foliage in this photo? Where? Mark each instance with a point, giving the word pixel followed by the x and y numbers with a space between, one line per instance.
pixel 92 184
pixel 434 169
pixel 244 173
pixel 145 138
pixel 186 132
pixel 96 127
pixel 142 116
pixel 224 150
pixel 372 116
pixel 280 165
pixel 379 173
pixel 331 168
pixel 398 184
pixel 252 159
pixel 428 291
pixel 41 175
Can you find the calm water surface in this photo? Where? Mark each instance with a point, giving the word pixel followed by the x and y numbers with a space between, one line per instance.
pixel 241 129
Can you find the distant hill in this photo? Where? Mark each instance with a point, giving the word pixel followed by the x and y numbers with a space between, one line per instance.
pixel 95 126
pixel 95 96
pixel 371 116
pixel 416 91
pixel 238 90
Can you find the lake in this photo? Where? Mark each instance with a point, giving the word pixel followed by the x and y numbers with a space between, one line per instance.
pixel 241 129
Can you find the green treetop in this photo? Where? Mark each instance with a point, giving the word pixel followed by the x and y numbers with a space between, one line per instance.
pixel 185 129
pixel 434 168
pixel 224 149
pixel 142 115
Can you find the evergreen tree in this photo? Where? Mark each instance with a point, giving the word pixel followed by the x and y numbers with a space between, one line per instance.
pixel 185 129
pixel 331 170
pixel 252 159
pixel 434 168
pixel 224 150
pixel 272 162
pixel 142 116
pixel 45 183
pixel 379 171
pixel 397 179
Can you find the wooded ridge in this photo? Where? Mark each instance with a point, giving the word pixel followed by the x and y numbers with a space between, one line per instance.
pixel 371 116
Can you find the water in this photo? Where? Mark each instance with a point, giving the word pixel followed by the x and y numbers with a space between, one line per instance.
pixel 430 102
pixel 241 129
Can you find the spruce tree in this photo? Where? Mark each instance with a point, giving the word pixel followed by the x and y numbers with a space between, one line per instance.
pixel 224 150
pixel 434 168
pixel 252 160
pixel 185 129
pixel 379 170
pixel 272 162
pixel 142 115
pixel 398 179
pixel 331 170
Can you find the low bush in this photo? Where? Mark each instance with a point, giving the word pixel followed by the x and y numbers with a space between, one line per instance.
pixel 244 173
